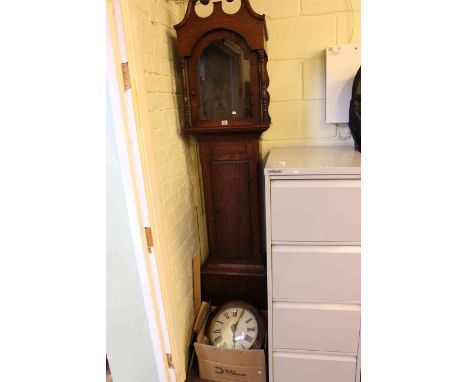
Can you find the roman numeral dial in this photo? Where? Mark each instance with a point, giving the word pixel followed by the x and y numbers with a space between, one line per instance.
pixel 236 327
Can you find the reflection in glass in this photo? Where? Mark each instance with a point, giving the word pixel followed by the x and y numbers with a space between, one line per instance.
pixel 224 82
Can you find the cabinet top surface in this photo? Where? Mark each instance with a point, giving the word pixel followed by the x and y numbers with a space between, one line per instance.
pixel 313 161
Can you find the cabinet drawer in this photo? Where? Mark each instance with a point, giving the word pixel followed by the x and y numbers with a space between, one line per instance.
pixel 316 327
pixel 300 367
pixel 316 210
pixel 306 273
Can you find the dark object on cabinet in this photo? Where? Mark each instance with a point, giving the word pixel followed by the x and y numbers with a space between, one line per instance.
pixel 355 111
pixel 223 64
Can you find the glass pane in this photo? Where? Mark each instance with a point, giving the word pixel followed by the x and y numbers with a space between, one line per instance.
pixel 224 82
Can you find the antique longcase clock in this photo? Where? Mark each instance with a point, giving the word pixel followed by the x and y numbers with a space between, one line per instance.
pixel 223 63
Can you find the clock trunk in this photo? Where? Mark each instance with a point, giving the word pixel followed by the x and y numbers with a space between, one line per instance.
pixel 223 64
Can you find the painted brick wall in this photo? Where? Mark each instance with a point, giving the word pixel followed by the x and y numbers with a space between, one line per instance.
pixel 176 159
pixel 299 32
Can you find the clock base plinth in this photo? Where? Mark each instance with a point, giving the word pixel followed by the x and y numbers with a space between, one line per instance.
pixel 225 282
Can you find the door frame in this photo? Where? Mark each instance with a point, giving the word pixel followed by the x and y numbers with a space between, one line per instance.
pixel 137 159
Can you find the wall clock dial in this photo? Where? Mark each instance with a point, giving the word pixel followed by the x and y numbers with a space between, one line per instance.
pixel 236 325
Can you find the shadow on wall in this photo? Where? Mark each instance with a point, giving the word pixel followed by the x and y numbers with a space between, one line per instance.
pixel 178 87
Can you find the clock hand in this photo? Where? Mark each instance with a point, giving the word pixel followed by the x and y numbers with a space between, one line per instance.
pixel 235 325
pixel 233 328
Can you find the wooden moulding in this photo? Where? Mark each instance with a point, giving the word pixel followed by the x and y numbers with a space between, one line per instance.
pixel 196 265
pixel 249 24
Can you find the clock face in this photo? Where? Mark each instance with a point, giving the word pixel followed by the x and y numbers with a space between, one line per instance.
pixel 235 326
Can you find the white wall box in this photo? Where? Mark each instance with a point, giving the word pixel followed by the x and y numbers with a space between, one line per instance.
pixel 312 198
pixel 342 64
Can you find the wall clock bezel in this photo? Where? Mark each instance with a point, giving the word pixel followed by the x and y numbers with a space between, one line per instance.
pixel 239 304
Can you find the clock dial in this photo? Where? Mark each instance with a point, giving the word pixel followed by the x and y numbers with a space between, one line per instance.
pixel 235 327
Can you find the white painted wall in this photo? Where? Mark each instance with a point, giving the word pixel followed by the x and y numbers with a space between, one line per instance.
pixel 128 343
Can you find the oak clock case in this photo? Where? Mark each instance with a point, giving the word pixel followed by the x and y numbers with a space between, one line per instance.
pixel 223 64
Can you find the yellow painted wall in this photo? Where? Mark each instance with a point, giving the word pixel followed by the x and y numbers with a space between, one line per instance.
pixel 299 32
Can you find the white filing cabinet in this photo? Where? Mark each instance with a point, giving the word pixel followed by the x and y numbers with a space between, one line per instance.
pixel 313 220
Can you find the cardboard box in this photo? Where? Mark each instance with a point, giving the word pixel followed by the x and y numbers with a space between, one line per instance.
pixel 223 365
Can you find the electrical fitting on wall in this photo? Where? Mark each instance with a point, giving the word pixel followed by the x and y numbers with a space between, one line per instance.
pixel 342 64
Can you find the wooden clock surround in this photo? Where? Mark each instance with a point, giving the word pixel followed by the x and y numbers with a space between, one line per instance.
pixel 227 122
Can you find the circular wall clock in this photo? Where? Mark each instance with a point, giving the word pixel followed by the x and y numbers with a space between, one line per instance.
pixel 236 325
